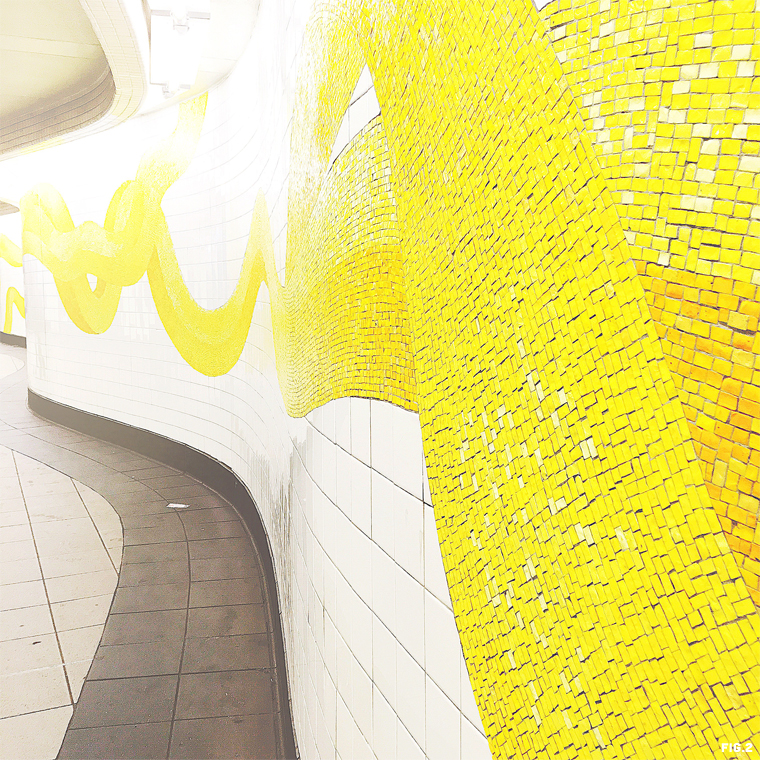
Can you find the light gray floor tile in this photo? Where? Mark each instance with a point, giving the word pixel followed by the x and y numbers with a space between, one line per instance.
pixel 35 736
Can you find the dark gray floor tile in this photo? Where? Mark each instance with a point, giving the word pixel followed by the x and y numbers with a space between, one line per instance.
pixel 219 568
pixel 229 529
pixel 159 535
pixel 249 737
pixel 154 553
pixel 124 701
pixel 226 653
pixel 209 515
pixel 171 596
pixel 137 504
pixel 230 692
pixel 152 658
pixel 149 470
pixel 139 465
pixel 137 627
pixel 158 520
pixel 131 488
pixel 220 547
pixel 179 492
pixel 226 621
pixel 146 741
pixel 171 481
pixel 153 573
pixel 209 501
pixel 235 591
pixel 135 508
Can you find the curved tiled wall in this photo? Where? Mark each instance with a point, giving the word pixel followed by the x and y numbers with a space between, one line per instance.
pixel 451 276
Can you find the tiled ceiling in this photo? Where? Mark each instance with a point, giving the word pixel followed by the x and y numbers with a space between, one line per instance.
pixel 47 47
pixel 54 75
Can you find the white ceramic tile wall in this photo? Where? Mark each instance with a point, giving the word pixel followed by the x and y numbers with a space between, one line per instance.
pixel 374 661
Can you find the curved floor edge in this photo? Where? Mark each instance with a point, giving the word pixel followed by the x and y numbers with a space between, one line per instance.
pixel 214 598
pixel 215 476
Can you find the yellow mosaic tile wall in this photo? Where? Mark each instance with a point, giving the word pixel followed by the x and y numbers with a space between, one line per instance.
pixel 11 254
pixel 600 608
pixel 671 98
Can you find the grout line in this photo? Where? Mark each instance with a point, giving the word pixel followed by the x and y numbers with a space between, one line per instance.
pixel 44 584
pixel 97 530
pixel 184 641
pixel 35 712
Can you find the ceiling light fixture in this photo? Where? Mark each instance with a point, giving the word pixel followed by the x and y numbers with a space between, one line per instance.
pixel 178 32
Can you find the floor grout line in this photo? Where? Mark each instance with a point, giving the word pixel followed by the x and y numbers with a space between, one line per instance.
pixel 100 536
pixel 44 584
pixel 184 642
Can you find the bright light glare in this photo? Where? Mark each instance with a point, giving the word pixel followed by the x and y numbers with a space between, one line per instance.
pixel 178 32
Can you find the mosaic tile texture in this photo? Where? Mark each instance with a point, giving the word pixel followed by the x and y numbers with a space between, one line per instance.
pixel 671 99
pixel 601 610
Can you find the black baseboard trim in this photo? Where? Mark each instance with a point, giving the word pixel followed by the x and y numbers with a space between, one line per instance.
pixel 208 471
pixel 12 340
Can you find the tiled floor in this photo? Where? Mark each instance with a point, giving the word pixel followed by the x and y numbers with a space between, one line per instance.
pixel 185 667
pixel 60 547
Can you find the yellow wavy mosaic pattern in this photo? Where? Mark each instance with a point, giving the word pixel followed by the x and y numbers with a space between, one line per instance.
pixel 600 609
pixel 327 344
pixel 11 253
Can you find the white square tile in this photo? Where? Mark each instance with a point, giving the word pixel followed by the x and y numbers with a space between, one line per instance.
pixel 342 407
pixel 383 528
pixel 360 576
pixel 361 699
pixel 406 747
pixel 410 614
pixel 435 575
pixel 408 536
pixel 19 550
pixel 442 725
pixel 17 595
pixel 360 429
pixel 384 587
pixel 360 745
pixel 384 722
pixel 33 690
pixel 35 736
pixel 25 622
pixel 67 587
pixel 328 421
pixel 20 571
pixel 361 495
pixel 31 653
pixel 474 744
pixel 9 518
pixel 81 613
pixel 381 440
pixel 410 694
pixel 443 650
pixel 344 736
pixel 407 451
pixel 18 532
pixel 384 658
pixel 343 478
pixel 329 469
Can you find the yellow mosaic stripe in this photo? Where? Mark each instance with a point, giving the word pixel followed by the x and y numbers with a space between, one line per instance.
pixel 340 323
pixel 674 116
pixel 11 253
pixel 600 609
